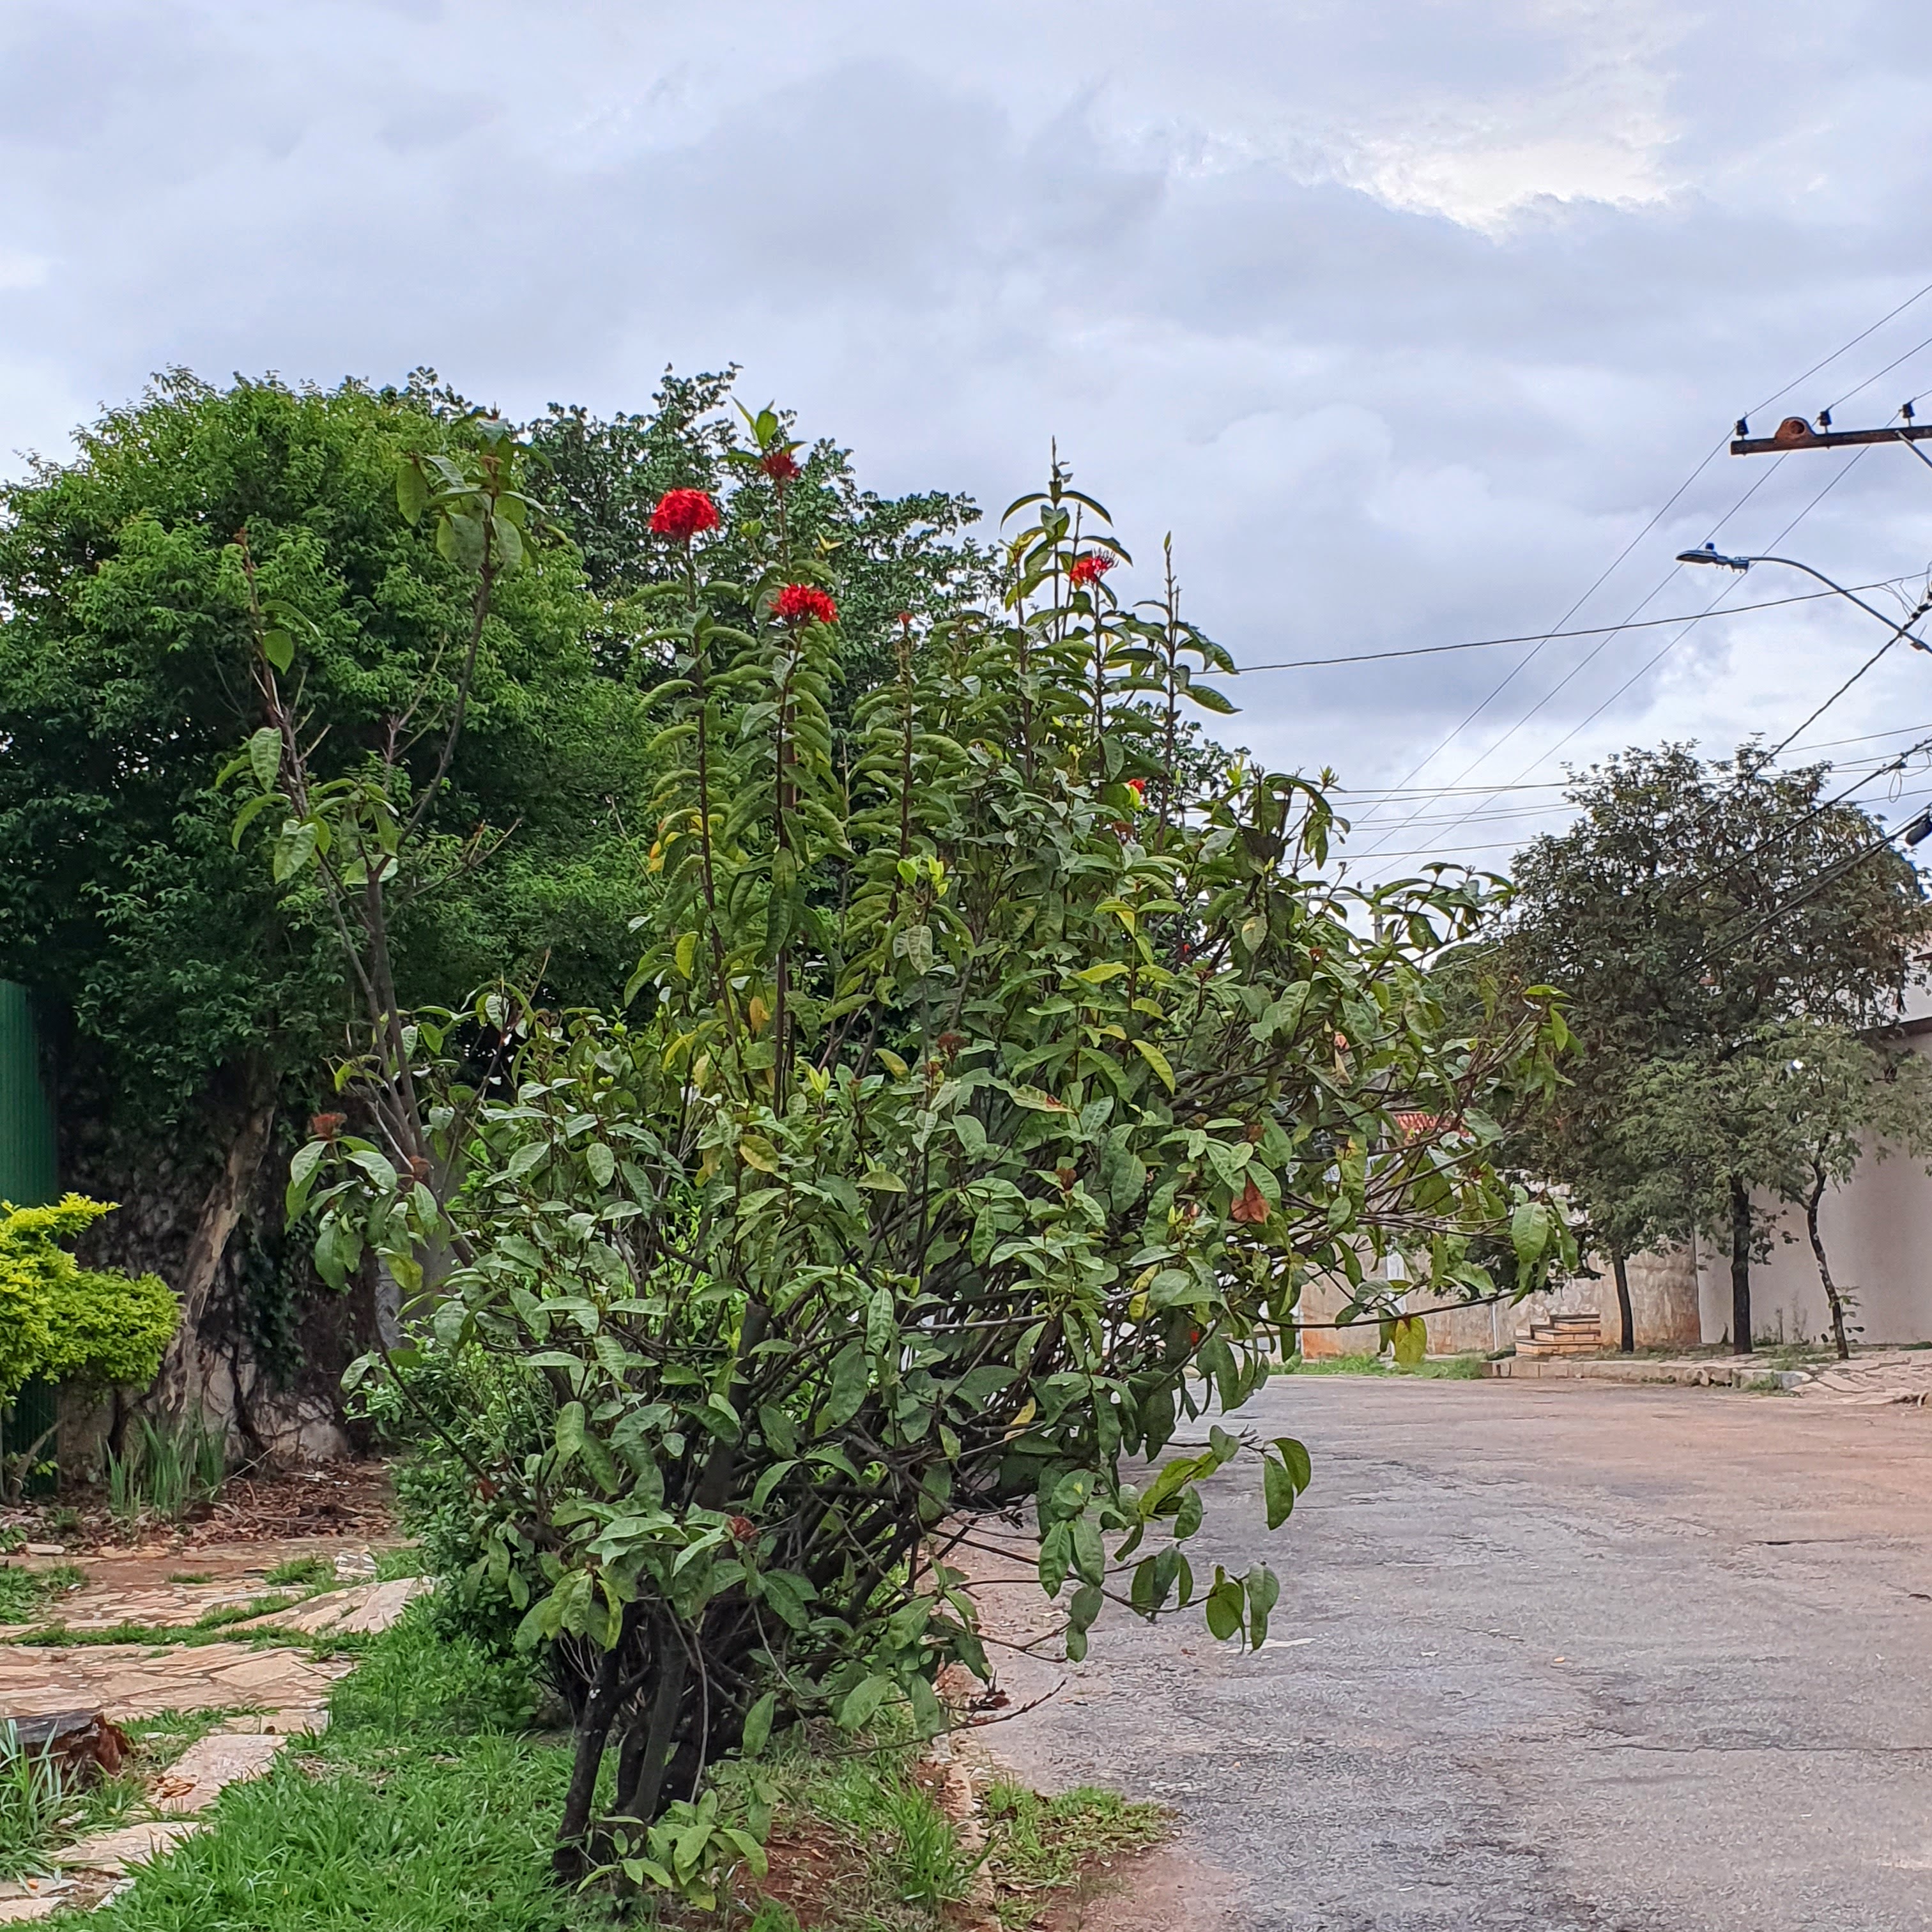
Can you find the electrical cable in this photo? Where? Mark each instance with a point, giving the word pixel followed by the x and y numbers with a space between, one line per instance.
pixel 1528 657
pixel 1777 395
pixel 1531 637
pixel 1650 663
pixel 1589 657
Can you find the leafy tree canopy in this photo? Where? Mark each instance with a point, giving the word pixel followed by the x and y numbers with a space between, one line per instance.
pixel 1694 913
pixel 124 684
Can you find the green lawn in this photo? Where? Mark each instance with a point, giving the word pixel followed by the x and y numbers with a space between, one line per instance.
pixel 427 1807
pixel 1437 1368
pixel 429 1804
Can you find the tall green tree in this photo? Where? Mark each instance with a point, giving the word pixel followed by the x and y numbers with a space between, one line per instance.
pixel 204 1004
pixel 1811 1103
pixel 1693 911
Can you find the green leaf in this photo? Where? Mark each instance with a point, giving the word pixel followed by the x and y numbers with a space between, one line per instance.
pixel 862 1701
pixel 1264 1592
pixel 1529 1232
pixel 1412 1341
pixel 1224 1605
pixel 1158 1061
pixel 847 1395
pixel 758 1724
pixel 883 1182
pixel 1278 1492
pixel 1296 1460
pixel 411 490
pixel 279 648
pixel 265 756
pixel 570 1431
pixel 601 1163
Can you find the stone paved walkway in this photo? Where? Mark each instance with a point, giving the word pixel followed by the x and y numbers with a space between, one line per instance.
pixel 281 1690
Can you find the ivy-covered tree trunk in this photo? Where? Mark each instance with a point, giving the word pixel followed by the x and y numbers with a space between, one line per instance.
pixel 1740 1240
pixel 182 1385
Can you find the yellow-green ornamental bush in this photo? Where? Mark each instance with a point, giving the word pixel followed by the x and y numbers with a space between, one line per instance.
pixel 67 1323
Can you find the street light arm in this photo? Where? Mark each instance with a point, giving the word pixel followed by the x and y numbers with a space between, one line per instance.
pixel 1901 628
pixel 1897 627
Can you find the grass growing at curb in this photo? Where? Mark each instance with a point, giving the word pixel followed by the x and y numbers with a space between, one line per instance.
pixel 1049 1844
pixel 428 1805
pixel 1440 1368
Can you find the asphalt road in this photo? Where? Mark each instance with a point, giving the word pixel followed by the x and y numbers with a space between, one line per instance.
pixel 1559 1656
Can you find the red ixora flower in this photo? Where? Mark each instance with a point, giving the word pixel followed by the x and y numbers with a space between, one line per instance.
pixel 1091 568
pixel 1138 787
pixel 681 514
pixel 799 601
pixel 779 464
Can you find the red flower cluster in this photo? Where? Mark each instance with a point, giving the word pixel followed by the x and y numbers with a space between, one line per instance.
pixel 1091 568
pixel 799 602
pixel 1138 787
pixel 779 464
pixel 681 514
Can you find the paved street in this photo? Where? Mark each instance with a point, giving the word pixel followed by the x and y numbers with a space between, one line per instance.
pixel 1557 1656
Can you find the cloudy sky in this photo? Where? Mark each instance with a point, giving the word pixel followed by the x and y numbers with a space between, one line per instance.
pixel 1406 317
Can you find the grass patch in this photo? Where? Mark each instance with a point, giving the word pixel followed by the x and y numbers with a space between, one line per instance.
pixel 392 1565
pixel 38 1814
pixel 429 1804
pixel 301 1573
pixel 1037 1844
pixel 426 1807
pixel 1435 1368
pixel 190 1576
pixel 24 1593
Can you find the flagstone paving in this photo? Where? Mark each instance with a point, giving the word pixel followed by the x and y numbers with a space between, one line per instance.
pixel 141 1680
pixel 163 1587
pixel 281 1689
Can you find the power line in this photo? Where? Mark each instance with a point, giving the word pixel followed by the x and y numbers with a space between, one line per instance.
pixel 1531 637
pixel 1589 657
pixel 1645 669
pixel 1530 656
pixel 1365 794
pixel 1885 371
pixel 1777 395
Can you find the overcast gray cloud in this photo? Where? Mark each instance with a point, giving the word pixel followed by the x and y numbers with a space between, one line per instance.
pixel 1405 317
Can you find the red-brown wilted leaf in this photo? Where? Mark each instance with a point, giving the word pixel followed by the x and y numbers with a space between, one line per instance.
pixel 1251 1209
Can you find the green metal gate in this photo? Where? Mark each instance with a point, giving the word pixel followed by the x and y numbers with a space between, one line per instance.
pixel 29 1175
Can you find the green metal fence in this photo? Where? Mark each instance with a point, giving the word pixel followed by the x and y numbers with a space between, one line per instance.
pixel 29 1175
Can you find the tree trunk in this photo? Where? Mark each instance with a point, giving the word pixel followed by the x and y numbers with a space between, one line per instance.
pixel 571 1860
pixel 1741 1236
pixel 182 1381
pixel 1626 1317
pixel 1833 1300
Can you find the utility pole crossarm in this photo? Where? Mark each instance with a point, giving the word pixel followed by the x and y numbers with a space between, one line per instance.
pixel 1794 432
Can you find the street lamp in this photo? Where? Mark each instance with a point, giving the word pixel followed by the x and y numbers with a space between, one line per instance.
pixel 1710 554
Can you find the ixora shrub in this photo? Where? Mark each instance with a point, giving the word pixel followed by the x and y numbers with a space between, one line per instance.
pixel 991 1084
pixel 95 1326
